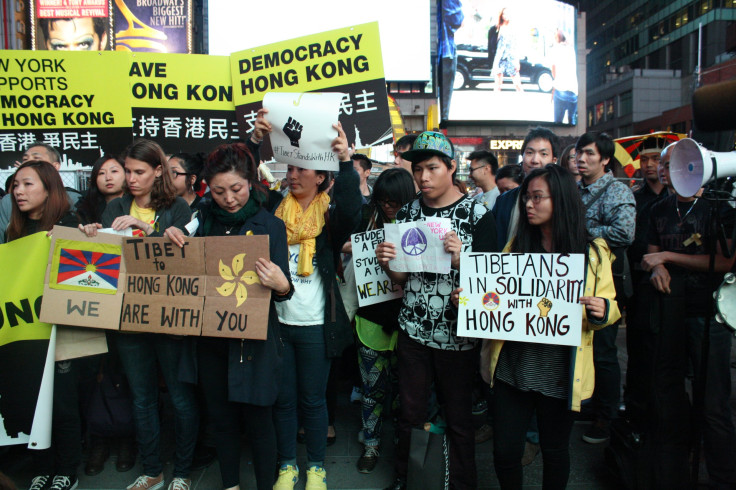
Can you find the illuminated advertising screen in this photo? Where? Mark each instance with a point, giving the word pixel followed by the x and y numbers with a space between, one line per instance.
pixel 404 28
pixel 507 61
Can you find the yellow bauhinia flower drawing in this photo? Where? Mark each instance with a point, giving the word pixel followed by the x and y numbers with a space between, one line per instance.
pixel 233 283
pixel 463 300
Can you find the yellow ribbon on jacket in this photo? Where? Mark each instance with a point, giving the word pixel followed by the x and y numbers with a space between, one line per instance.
pixel 303 226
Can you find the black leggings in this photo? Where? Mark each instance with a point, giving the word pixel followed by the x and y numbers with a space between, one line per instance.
pixel 225 417
pixel 513 410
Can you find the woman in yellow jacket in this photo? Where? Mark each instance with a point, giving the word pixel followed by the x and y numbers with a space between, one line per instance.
pixel 549 379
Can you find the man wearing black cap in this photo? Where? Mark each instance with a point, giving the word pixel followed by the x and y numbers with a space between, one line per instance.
pixel 428 348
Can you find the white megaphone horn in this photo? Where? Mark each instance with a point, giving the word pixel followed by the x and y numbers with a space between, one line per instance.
pixel 692 166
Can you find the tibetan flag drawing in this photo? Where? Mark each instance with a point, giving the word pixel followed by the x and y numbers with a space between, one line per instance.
pixel 85 266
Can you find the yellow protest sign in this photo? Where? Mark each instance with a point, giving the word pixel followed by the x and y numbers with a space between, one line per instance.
pixel 70 90
pixel 181 81
pixel 310 63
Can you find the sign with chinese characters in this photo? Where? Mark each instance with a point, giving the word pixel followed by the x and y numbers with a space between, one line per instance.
pixel 419 245
pixel 522 297
pixel 184 102
pixel 345 60
pixel 372 283
pixel 52 96
pixel 302 128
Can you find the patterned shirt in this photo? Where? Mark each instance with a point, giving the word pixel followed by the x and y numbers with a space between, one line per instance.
pixel 427 314
pixel 613 215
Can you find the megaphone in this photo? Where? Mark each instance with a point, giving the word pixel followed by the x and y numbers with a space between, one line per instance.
pixel 692 166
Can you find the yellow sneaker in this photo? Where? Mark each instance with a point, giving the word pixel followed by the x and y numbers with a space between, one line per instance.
pixel 316 478
pixel 288 476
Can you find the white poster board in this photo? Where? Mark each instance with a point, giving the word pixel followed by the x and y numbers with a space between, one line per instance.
pixel 302 128
pixel 419 246
pixel 373 284
pixel 522 297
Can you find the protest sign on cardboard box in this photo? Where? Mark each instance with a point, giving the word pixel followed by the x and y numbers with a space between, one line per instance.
pixel 372 283
pixel 84 280
pixel 419 246
pixel 237 303
pixel 164 290
pixel 521 297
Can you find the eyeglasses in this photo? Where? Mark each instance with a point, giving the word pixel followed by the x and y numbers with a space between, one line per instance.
pixel 534 198
pixel 399 154
pixel 176 174
pixel 473 169
pixel 388 202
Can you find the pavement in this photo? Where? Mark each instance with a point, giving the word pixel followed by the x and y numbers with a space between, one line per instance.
pixel 588 468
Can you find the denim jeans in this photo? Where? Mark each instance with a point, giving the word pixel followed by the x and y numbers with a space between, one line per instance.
pixel 139 353
pixel 303 383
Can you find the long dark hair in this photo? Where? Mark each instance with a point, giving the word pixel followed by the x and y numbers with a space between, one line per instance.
pixel 92 205
pixel 394 184
pixel 55 207
pixel 569 234
pixel 235 157
pixel 163 193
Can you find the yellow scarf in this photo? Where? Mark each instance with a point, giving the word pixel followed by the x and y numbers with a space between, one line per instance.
pixel 303 226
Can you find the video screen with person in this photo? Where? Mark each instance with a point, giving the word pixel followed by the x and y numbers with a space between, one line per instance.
pixel 512 61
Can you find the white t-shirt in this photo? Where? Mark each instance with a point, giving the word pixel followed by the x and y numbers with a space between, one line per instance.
pixel 307 304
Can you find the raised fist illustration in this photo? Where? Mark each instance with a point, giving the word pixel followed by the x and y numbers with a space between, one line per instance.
pixel 544 306
pixel 293 129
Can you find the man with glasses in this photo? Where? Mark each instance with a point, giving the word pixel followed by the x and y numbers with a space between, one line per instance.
pixel 483 168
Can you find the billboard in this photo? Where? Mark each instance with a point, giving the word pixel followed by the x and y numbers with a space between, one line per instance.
pixel 507 61
pixel 404 28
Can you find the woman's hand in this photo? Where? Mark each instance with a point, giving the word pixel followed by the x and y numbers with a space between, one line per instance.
pixel 340 144
pixel 272 276
pixel 385 252
pixel 127 221
pixel 91 229
pixel 453 246
pixel 176 236
pixel 595 306
pixel 455 296
pixel 262 126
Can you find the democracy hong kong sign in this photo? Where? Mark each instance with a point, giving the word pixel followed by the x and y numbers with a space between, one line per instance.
pixel 522 297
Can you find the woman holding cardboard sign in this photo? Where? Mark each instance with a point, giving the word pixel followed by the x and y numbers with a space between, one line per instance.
pixel 314 325
pixel 549 379
pixel 150 207
pixel 240 377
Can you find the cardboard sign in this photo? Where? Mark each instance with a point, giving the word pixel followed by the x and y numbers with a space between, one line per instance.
pixel 372 283
pixel 302 128
pixel 419 246
pixel 164 289
pixel 522 297
pixel 346 60
pixel 237 303
pixel 84 279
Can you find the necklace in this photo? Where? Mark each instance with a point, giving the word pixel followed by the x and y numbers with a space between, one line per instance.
pixel 682 218
pixel 228 230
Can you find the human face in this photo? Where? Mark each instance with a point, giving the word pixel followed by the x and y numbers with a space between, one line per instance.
pixel 389 207
pixel 398 160
pixel 571 163
pixel 179 176
pixel 538 213
pixel 40 153
pixel 230 191
pixel 363 174
pixel 140 177
pixel 303 182
pixel 476 170
pixel 111 179
pixel 74 35
pixel 506 184
pixel 434 180
pixel 590 164
pixel 648 164
pixel 663 171
pixel 29 192
pixel 537 154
